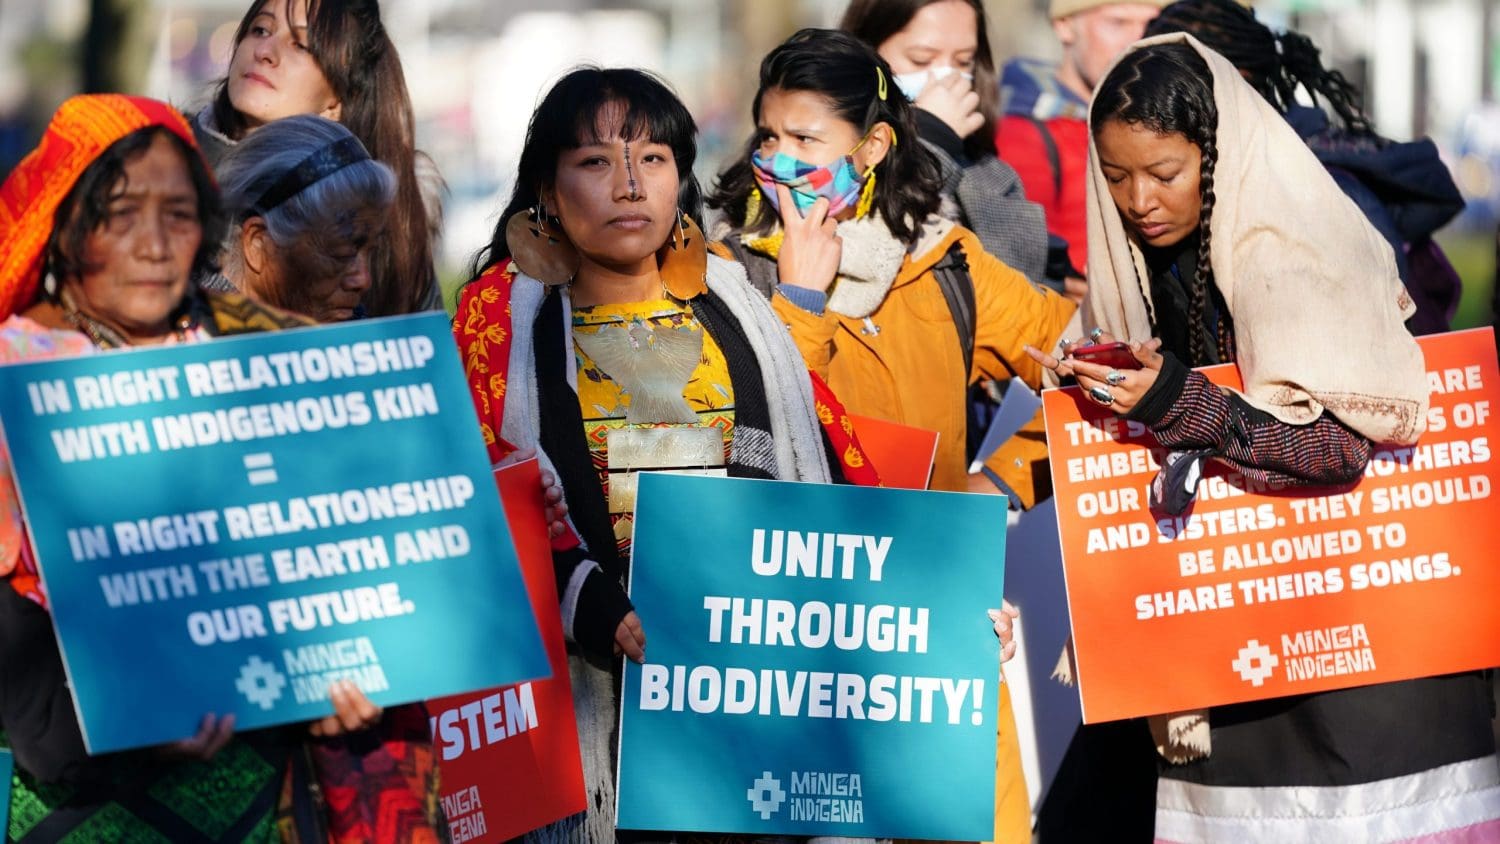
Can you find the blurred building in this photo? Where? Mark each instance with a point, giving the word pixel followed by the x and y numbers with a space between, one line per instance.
pixel 477 67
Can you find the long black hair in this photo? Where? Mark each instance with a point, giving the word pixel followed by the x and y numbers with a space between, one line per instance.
pixel 1276 65
pixel 569 117
pixel 875 21
pixel 851 76
pixel 1168 89
pixel 351 47
pixel 86 207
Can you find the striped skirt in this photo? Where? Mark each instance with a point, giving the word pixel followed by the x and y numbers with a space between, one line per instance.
pixel 1399 762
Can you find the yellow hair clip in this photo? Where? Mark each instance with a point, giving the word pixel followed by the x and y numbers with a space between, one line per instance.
pixel 880 74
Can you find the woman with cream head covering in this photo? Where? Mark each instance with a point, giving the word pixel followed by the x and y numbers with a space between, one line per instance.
pixel 1216 236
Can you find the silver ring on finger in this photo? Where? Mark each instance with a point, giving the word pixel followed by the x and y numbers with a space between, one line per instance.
pixel 1102 395
pixel 1114 377
pixel 1096 334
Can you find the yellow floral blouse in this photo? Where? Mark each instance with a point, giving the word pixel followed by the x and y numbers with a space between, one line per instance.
pixel 604 402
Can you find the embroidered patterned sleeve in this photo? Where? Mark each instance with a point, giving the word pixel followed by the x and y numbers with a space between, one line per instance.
pixel 847 455
pixel 482 330
pixel 381 784
pixel 1186 411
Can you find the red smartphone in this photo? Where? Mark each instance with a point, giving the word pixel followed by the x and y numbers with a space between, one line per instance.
pixel 1112 355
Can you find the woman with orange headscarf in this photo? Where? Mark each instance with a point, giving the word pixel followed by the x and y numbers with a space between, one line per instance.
pixel 105 230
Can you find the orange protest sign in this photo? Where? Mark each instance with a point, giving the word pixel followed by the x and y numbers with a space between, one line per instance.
pixel 903 455
pixel 1257 593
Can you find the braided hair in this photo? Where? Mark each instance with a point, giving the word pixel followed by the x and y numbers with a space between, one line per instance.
pixel 1168 89
pixel 1276 65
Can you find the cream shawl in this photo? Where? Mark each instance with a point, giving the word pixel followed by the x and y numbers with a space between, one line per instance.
pixel 1317 303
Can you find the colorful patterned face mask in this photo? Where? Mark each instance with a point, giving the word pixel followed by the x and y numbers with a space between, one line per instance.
pixel 839 182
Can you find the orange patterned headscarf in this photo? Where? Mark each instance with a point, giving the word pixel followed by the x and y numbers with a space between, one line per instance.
pixel 81 130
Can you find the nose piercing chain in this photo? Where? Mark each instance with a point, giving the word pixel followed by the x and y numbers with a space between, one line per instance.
pixel 630 171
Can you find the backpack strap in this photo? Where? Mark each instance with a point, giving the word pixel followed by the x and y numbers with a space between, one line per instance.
pixel 952 274
pixel 1054 160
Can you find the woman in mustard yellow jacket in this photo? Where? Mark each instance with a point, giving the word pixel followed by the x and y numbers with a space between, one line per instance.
pixel 833 211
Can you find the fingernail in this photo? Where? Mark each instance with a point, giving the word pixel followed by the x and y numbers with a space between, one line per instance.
pixel 993 614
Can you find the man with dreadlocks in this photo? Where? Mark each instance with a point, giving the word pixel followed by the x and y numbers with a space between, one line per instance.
pixel 1404 189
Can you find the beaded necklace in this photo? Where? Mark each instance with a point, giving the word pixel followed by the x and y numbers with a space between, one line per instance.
pixel 106 337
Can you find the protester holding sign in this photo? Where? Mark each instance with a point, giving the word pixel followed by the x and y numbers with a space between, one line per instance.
pixel 306 205
pixel 1277 271
pixel 833 208
pixel 335 60
pixel 599 329
pixel 104 230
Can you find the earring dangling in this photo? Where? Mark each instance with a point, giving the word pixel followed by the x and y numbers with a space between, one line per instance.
pixel 866 196
pixel 539 250
pixel 752 205
pixel 684 260
pixel 49 285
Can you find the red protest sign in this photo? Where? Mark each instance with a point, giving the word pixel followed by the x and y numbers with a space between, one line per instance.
pixel 901 453
pixel 509 756
pixel 1258 593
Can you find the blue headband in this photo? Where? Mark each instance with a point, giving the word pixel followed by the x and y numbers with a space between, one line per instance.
pixel 311 170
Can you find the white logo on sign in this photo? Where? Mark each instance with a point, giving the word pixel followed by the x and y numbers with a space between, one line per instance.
pixel 260 683
pixel 1255 663
pixel 766 796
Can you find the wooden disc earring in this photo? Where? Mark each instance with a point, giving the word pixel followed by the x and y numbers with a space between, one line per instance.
pixel 684 260
pixel 539 248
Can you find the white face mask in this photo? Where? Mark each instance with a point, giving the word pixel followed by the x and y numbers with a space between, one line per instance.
pixel 912 84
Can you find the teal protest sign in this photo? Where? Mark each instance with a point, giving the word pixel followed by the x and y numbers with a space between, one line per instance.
pixel 227 527
pixel 819 661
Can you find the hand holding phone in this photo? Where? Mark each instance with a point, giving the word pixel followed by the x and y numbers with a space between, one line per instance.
pixel 1112 355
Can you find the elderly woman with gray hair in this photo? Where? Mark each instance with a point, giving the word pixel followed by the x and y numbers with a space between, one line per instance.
pixel 306 203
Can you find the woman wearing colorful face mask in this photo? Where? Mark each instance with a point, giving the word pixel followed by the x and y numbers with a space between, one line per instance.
pixel 897 307
pixel 939 51
pixel 834 214
pixel 334 59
